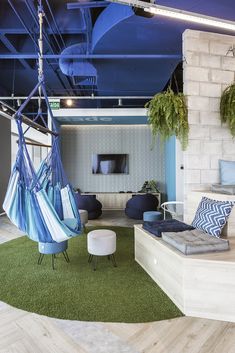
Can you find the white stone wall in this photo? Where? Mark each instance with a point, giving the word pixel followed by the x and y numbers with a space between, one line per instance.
pixel 207 72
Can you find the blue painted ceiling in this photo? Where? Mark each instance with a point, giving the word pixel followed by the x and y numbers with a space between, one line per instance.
pixel 107 35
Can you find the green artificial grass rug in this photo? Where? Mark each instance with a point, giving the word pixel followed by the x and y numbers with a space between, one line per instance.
pixel 74 291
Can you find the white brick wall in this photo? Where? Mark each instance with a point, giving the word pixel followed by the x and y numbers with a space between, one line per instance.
pixel 192 88
pixel 198 103
pixel 194 147
pixel 217 47
pixel 210 60
pixel 220 133
pixel 195 73
pixel 197 162
pixel 209 118
pixel 211 147
pixel 221 76
pixel 193 58
pixel 207 72
pixel 209 89
pixel 228 146
pixel 198 132
pixel 193 176
pixel 198 45
pixel 194 117
pixel 209 176
pixel 228 63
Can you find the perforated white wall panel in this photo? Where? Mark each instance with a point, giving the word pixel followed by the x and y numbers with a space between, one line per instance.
pixel 80 142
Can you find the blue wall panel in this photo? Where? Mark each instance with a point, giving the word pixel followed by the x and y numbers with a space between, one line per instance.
pixel 170 169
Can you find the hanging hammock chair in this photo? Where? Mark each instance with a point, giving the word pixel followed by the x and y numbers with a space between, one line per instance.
pixel 41 204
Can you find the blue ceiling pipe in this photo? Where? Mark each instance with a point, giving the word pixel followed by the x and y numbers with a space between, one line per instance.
pixel 116 14
pixel 118 30
pixel 35 42
pixel 77 67
pixel 77 57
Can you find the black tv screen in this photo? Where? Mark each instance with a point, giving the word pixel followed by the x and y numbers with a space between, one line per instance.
pixel 110 164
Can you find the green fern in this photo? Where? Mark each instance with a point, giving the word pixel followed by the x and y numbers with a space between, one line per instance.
pixel 168 116
pixel 227 108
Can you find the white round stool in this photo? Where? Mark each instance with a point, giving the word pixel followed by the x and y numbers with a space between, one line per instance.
pixel 84 217
pixel 101 242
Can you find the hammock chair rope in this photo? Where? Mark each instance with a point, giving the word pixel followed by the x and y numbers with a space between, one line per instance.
pixel 41 203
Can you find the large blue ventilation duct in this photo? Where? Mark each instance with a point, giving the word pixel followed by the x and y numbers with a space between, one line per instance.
pixel 81 70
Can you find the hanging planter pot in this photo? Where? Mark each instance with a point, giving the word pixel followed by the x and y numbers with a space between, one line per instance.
pixel 168 116
pixel 227 108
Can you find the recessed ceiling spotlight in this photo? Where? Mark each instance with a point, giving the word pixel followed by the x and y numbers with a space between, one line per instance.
pixel 4 108
pixel 69 102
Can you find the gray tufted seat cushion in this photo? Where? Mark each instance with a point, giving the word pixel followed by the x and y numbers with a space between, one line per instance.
pixel 195 242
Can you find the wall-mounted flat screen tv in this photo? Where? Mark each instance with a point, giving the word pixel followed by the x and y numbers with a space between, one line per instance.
pixel 110 164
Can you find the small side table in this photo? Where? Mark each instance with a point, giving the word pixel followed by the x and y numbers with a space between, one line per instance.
pixel 52 249
pixel 152 216
pixel 101 242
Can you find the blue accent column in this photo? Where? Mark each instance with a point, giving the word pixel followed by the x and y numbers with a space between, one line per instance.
pixel 170 168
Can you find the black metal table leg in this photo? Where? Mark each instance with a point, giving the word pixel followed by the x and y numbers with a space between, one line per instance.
pixel 40 258
pixel 53 263
pixel 95 263
pixel 90 258
pixel 66 256
pixel 113 260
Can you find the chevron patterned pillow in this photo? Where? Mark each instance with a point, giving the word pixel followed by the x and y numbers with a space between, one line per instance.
pixel 211 215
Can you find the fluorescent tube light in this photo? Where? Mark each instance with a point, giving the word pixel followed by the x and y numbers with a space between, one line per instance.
pixel 191 17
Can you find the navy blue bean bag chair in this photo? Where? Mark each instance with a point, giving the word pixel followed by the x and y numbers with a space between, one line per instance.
pixel 138 204
pixel 90 204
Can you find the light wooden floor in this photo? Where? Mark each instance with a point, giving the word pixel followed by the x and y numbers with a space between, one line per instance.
pixel 23 332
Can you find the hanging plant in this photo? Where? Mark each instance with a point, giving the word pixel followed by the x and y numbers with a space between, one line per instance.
pixel 168 116
pixel 227 107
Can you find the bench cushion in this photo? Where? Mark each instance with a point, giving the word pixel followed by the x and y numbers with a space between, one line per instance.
pixel 168 225
pixel 195 242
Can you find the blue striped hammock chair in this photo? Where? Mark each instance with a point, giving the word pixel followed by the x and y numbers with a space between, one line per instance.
pixel 41 204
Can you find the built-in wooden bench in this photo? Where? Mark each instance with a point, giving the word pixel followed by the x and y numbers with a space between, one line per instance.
pixel 200 285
